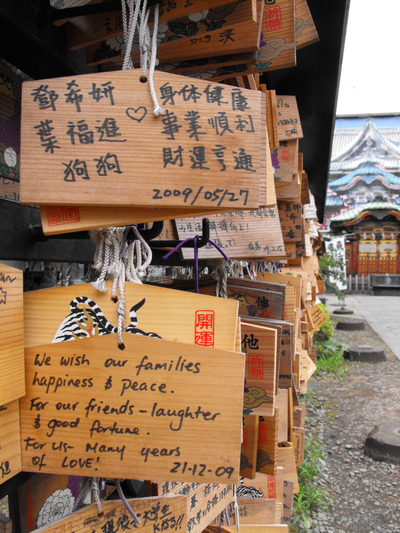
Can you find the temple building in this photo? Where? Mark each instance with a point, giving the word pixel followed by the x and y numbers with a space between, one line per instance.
pixel 363 199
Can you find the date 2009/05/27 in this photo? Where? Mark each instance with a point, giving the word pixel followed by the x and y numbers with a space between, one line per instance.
pixel 213 196
pixel 220 471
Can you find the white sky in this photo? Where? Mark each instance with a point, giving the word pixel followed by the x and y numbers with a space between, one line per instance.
pixel 370 79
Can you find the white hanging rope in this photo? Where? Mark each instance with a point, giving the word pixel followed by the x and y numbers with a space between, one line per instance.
pixel 116 259
pixel 147 43
pixel 157 108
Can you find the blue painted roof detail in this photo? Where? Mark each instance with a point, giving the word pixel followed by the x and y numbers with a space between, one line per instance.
pixel 368 170
pixel 333 201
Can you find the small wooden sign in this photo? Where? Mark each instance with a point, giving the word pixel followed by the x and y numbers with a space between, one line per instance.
pixel 306 32
pixel 155 514
pixel 289 124
pixel 42 499
pixel 319 317
pixel 299 415
pixel 12 379
pixel 277 45
pixel 241 234
pixel 135 417
pixel 264 286
pixel 288 190
pixel 270 486
pixel 66 219
pixel 89 29
pixel 291 222
pixel 288 487
pixel 288 280
pixel 87 136
pixel 205 501
pixel 256 511
pixel 282 402
pixel 259 344
pixel 78 311
pixel 268 444
pixel 285 458
pixel 216 32
pixel 248 454
pixel 10 441
pixel 255 302
pixel 284 160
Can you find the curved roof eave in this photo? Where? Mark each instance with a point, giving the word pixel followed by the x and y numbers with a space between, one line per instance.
pixel 354 213
pixel 369 127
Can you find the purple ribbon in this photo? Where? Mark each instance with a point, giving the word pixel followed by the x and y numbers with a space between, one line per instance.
pixel 196 255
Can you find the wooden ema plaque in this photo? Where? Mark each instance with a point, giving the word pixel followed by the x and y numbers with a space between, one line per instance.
pixel 318 317
pixel 241 234
pixel 95 141
pixel 257 321
pixel 155 514
pixel 90 29
pixel 12 379
pixel 285 458
pixel 259 344
pixel 255 302
pixel 286 353
pixel 77 311
pixel 10 441
pixel 248 454
pixel 288 190
pixel 306 32
pixel 291 223
pixel 209 63
pixel 41 499
pixel 270 486
pixel 217 32
pixel 133 414
pixel 268 444
pixel 284 160
pixel 289 124
pixel 288 280
pixel 262 285
pixel 67 219
pixel 287 501
pixel 257 511
pixel 205 501
pixel 282 402
pixel 277 44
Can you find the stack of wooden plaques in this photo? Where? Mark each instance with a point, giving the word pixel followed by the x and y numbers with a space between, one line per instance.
pixel 205 400
pixel 211 39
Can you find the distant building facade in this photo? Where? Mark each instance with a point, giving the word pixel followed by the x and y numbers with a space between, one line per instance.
pixel 363 198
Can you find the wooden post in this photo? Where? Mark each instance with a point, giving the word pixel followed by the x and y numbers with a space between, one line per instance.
pixel 350 283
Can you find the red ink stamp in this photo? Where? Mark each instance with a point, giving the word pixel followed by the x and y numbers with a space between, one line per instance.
pixel 273 17
pixel 245 438
pixel 57 216
pixel 271 485
pixel 285 154
pixel 255 366
pixel 29 507
pixel 265 314
pixel 204 328
pixel 263 434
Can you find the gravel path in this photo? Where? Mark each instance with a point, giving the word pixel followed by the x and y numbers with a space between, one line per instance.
pixel 364 494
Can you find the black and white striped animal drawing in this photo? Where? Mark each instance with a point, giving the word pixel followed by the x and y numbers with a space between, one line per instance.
pixel 86 319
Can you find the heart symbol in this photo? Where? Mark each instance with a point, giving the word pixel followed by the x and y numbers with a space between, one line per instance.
pixel 132 111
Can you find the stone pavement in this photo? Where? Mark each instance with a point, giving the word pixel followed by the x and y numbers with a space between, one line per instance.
pixel 381 312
